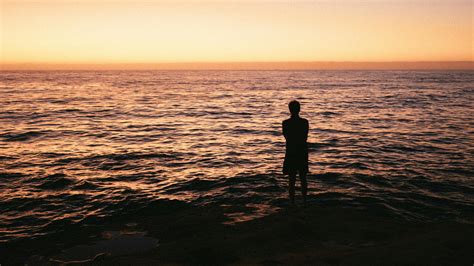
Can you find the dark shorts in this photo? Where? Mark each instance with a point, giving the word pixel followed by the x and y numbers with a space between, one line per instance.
pixel 295 163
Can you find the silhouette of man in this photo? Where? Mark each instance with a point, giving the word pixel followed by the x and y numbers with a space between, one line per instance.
pixel 295 130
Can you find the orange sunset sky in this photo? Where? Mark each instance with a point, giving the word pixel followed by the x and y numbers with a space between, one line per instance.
pixel 154 31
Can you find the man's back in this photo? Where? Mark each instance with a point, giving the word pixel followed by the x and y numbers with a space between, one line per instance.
pixel 295 130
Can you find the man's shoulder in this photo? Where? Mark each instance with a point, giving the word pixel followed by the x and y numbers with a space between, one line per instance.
pixel 298 120
pixel 304 120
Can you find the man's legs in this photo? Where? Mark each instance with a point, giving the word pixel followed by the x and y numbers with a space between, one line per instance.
pixel 291 187
pixel 304 186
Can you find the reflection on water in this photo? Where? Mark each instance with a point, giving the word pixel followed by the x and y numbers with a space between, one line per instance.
pixel 75 145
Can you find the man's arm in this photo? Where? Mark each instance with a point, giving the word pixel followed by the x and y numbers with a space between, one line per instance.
pixel 284 130
pixel 306 130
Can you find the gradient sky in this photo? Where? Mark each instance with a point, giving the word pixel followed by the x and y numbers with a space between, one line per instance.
pixel 86 31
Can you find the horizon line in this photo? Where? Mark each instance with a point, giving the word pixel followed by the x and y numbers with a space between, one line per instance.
pixel 249 65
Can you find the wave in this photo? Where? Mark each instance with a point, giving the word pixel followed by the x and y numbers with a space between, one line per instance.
pixel 86 185
pixel 6 175
pixel 22 136
pixel 329 114
pixel 55 181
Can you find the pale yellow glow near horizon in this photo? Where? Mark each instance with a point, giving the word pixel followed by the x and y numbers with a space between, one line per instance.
pixel 149 31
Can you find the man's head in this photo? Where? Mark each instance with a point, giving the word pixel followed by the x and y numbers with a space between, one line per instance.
pixel 294 107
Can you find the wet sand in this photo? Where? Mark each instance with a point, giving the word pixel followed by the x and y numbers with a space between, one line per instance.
pixel 313 236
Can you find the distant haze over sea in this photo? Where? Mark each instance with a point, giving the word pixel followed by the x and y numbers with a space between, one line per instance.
pixel 293 65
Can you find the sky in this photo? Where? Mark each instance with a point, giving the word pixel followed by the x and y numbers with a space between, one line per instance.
pixel 147 31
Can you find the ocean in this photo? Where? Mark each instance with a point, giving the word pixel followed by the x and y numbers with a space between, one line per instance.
pixel 77 146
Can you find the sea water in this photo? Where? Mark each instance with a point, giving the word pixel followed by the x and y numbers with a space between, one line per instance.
pixel 76 145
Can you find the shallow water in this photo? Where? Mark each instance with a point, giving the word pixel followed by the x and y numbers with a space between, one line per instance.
pixel 91 144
